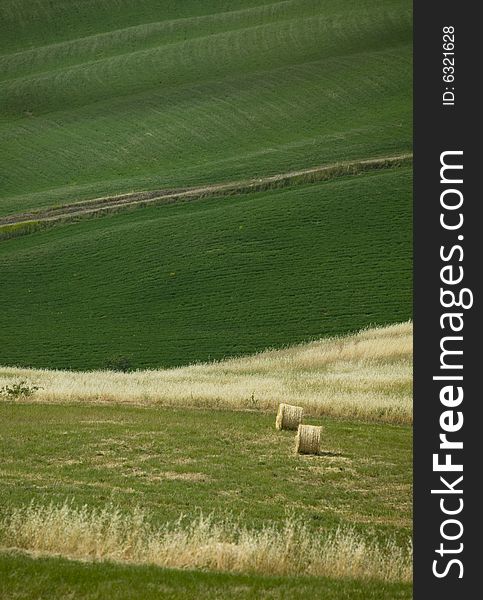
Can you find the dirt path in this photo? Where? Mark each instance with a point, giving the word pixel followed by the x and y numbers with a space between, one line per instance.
pixel 113 203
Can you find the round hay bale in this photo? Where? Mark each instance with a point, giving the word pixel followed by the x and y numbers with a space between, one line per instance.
pixel 307 440
pixel 288 416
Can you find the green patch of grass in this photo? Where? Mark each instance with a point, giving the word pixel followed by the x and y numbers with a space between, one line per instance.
pixel 28 578
pixel 170 285
pixel 19 229
pixel 179 461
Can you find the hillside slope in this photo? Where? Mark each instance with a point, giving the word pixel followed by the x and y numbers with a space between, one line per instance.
pixel 173 284
pixel 367 375
pixel 115 97
pixel 104 97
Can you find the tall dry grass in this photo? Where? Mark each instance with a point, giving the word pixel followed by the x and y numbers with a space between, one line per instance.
pixel 367 375
pixel 205 543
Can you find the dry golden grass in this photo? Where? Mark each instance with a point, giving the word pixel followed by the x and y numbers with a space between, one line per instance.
pixel 225 545
pixel 367 375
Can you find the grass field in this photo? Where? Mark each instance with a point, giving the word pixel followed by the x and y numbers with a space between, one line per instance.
pixel 179 461
pixel 172 462
pixel 102 98
pixel 111 96
pixel 57 579
pixel 170 285
pixel 170 480
pixel 108 477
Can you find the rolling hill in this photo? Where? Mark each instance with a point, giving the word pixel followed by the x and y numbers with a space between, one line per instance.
pixel 208 194
pixel 98 98
pixel 102 97
pixel 183 468
pixel 180 283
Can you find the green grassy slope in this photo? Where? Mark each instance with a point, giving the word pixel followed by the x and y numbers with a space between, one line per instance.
pixel 103 97
pixel 174 284
pixel 57 579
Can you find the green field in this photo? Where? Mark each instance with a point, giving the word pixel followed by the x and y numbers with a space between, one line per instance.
pixel 105 97
pixel 57 579
pixel 174 483
pixel 174 462
pixel 179 461
pixel 169 285
pixel 110 97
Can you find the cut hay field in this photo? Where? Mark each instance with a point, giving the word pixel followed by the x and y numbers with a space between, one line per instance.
pixel 111 96
pixel 175 284
pixel 117 489
pixel 142 473
pixel 184 469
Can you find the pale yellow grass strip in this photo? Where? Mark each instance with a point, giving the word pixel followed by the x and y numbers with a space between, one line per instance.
pixel 367 375
pixel 205 543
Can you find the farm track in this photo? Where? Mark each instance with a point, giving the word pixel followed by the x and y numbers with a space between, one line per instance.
pixel 108 204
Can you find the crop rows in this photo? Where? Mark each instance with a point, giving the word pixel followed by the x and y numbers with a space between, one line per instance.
pixel 239 94
pixel 175 284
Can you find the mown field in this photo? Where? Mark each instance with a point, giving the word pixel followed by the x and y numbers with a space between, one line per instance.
pixel 173 461
pixel 149 471
pixel 232 467
pixel 184 469
pixel 109 96
pixel 170 285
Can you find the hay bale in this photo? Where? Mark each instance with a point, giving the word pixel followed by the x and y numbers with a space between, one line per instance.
pixel 288 416
pixel 307 440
